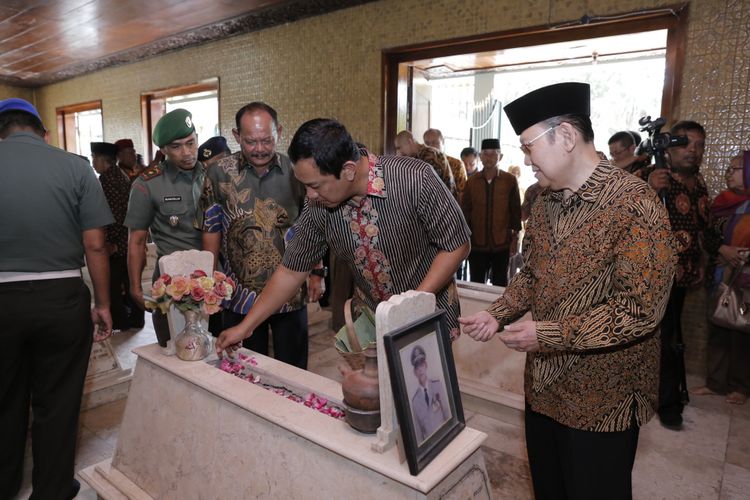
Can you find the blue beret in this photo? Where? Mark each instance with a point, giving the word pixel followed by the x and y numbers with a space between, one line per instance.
pixel 16 104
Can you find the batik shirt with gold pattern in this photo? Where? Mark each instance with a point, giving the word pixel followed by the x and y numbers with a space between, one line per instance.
pixel 254 214
pixel 390 237
pixel 597 272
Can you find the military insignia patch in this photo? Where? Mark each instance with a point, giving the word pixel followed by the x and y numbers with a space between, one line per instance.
pixel 150 173
pixel 206 153
pixel 188 122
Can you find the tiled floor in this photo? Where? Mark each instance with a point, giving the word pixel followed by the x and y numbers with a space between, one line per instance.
pixel 708 459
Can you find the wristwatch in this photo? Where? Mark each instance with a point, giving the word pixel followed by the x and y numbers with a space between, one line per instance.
pixel 321 271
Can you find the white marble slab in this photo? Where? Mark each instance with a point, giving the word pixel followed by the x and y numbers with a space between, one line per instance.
pixel 191 430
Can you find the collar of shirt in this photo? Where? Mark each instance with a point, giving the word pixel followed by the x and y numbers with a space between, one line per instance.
pixel 24 134
pixel 590 190
pixel 375 177
pixel 172 172
pixel 375 180
pixel 275 164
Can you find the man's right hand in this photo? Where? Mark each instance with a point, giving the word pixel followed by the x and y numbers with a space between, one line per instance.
pixel 230 340
pixel 137 295
pixel 480 326
pixel 659 179
pixel 102 320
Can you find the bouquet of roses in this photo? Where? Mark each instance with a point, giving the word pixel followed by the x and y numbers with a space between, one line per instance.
pixel 197 292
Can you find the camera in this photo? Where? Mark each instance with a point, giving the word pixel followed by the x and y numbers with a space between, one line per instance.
pixel 656 141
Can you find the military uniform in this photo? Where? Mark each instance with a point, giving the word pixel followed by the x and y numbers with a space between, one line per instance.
pixel 49 198
pixel 163 200
pixel 429 404
pixel 430 410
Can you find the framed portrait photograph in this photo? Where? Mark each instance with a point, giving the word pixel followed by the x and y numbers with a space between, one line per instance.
pixel 425 388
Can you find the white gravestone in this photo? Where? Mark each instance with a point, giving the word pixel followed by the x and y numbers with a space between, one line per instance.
pixel 398 311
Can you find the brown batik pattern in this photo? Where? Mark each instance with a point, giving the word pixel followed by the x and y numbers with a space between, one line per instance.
pixel 596 278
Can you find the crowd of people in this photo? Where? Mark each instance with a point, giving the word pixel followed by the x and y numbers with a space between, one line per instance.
pixel 609 249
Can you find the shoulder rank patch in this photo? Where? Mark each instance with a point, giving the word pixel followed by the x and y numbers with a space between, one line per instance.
pixel 150 173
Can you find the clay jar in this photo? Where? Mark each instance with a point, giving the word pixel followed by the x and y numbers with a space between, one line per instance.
pixel 360 387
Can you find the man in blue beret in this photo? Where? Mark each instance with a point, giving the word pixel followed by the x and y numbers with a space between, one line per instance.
pixel 54 214
pixel 599 260
pixel 163 200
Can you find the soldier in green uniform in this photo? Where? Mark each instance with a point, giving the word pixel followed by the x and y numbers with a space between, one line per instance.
pixel 163 201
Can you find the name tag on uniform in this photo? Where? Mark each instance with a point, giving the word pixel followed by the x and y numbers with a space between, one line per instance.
pixel 172 198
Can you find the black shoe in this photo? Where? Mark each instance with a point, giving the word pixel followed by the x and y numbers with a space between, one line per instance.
pixel 672 421
pixel 76 487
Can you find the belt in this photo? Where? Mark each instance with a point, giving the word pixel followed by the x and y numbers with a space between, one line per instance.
pixel 11 276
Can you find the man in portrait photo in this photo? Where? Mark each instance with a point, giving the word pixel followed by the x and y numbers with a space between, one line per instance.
pixel 429 404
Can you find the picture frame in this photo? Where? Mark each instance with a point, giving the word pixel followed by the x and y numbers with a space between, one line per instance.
pixel 425 388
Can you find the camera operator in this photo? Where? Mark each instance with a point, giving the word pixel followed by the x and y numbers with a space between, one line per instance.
pixel 684 192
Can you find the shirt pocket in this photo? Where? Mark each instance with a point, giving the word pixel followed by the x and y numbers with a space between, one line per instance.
pixel 173 208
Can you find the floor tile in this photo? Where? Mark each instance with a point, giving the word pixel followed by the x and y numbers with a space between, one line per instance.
pixel 738 445
pixel 704 433
pixel 672 474
pixel 501 436
pixel 736 483
pixel 104 421
pixel 509 476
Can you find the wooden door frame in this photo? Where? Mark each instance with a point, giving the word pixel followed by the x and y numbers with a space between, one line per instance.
pixel 672 18
pixel 147 119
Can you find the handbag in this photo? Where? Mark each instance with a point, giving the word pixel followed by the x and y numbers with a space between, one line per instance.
pixel 728 307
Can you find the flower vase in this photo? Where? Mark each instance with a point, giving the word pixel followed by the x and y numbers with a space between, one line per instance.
pixel 193 343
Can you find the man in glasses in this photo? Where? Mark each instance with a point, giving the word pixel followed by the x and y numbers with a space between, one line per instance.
pixel 599 262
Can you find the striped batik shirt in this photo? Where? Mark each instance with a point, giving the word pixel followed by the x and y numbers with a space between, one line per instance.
pixel 390 237
pixel 598 268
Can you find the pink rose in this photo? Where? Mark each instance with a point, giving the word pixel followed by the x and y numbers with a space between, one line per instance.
pixel 230 282
pixel 180 287
pixel 197 293
pixel 158 289
pixel 211 299
pixel 167 279
pixel 198 273
pixel 219 276
pixel 210 309
pixel 221 289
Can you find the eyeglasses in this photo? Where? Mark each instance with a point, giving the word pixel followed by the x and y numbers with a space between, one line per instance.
pixel 525 145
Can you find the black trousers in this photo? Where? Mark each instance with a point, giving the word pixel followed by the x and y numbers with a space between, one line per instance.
pixel 125 313
pixel 46 338
pixel 290 340
pixel 672 366
pixel 570 464
pixel 492 265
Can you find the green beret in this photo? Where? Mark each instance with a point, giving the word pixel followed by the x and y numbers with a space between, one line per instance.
pixel 174 125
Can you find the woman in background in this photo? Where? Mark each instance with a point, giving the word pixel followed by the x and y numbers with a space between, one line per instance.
pixel 728 244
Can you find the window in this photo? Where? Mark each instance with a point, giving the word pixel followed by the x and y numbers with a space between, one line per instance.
pixel 79 125
pixel 201 99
